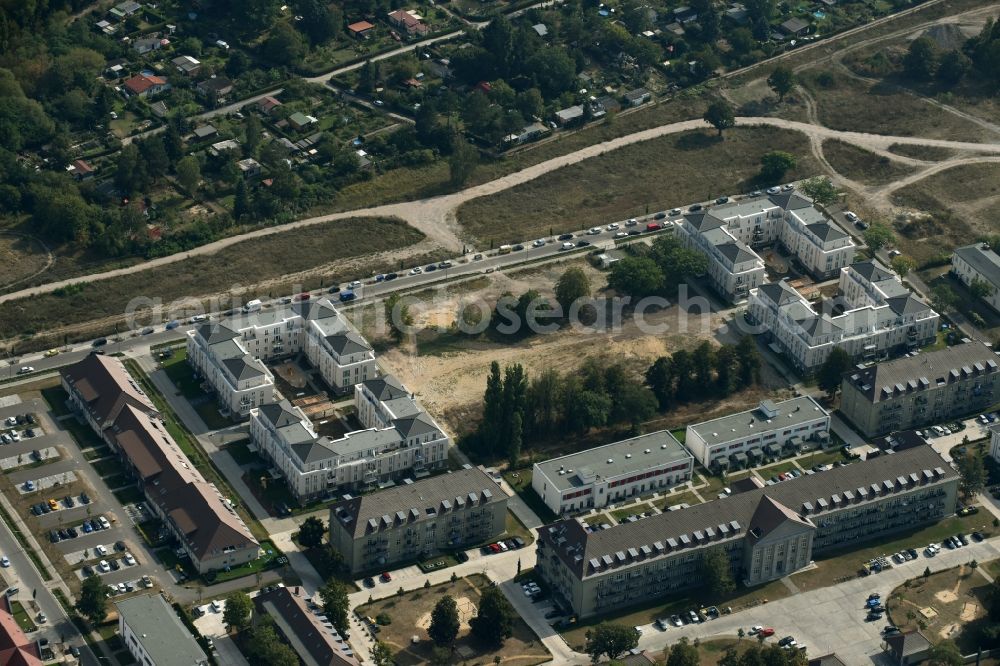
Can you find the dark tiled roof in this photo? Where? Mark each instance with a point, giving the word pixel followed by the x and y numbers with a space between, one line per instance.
pixel 213 333
pixel 826 231
pixel 241 369
pixel 348 342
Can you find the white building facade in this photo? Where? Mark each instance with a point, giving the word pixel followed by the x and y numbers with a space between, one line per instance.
pixel 873 315
pixel 399 439
pixel 979 263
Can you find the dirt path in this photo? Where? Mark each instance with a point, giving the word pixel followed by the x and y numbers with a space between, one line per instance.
pixel 435 217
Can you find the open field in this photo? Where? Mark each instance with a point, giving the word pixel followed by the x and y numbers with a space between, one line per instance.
pixel 645 177
pixel 20 258
pixel 416 183
pixel 448 369
pixel 320 254
pixel 847 104
pixel 410 614
pixel 946 605
pixel 929 153
pixel 863 166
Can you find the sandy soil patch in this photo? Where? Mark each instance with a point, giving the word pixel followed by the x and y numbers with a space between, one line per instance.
pixel 946 596
pixel 466 611
pixel 970 612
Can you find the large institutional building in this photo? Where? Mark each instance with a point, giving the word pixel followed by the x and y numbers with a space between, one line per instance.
pixel 728 234
pixel 764 533
pixel 399 438
pixel 230 355
pixel 741 439
pixel 420 519
pixel 207 527
pixel 607 474
pixel 873 315
pixel 920 390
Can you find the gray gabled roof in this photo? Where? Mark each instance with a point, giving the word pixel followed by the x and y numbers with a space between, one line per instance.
pixel 906 304
pixel 213 333
pixel 826 231
pixel 280 414
pixel 416 425
pixel 241 368
pixel 736 252
pixel 791 200
pixel 779 293
pixel 386 387
pixel 348 342
pixel 159 630
pixel 984 260
pixel 872 271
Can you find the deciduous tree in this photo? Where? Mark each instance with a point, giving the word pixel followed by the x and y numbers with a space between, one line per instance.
pixel 716 573
pixel 781 81
pixel 444 622
pixel 311 532
pixel 720 115
pixel 494 620
pixel 830 374
pixel 336 604
pixel 237 614
pixel 93 600
pixel 610 639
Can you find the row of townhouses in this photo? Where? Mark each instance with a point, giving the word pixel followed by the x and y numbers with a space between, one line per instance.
pixel 729 234
pixel 920 389
pixel 231 355
pixel 418 519
pixel 399 438
pixel 873 316
pixel 979 263
pixel 107 397
pixel 612 473
pixel 765 533
pixel 769 431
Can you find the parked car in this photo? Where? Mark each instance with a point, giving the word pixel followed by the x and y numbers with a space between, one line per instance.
pixel 386 577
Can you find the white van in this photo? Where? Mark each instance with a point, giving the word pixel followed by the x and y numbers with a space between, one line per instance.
pixel 252 306
pixel 567 246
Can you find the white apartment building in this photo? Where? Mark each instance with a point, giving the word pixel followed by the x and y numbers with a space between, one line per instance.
pixel 727 234
pixel 737 440
pixel 979 262
pixel 399 438
pixel 154 634
pixel 611 473
pixel 873 315
pixel 230 355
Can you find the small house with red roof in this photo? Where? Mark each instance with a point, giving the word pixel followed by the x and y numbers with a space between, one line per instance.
pixel 409 21
pixel 146 85
pixel 361 29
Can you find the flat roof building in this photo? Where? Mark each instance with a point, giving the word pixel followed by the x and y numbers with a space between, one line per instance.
pixel 606 474
pixel 740 439
pixel 420 519
pixel 920 390
pixel 154 634
pixel 765 534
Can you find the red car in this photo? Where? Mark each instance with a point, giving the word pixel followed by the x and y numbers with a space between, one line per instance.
pixel 386 578
pixel 653 226
pixel 495 548
pixel 767 631
pixel 304 297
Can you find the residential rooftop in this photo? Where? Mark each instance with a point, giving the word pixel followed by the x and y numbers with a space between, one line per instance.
pixel 417 501
pixel 983 259
pixel 159 630
pixel 613 460
pixel 753 512
pixel 765 417
pixel 884 381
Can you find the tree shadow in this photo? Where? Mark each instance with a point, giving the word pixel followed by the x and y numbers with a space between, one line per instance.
pixel 697 141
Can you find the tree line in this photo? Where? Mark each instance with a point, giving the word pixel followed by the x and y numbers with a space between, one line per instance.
pixel 519 411
pixel 656 270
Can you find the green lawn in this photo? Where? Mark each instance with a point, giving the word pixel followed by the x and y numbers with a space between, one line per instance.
pixel 622 514
pixel 687 497
pixel 56 397
pixel 520 481
pixel 824 457
pixel 266 561
pixel 22 618
pixel 576 636
pixel 182 374
pixel 835 566
pixel 109 467
pixel 241 453
pixel 599 519
pixel 779 468
pixel 131 495
pixel 514 527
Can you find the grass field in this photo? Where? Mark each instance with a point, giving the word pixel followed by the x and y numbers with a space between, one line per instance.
pixel 929 153
pixel 410 615
pixel 863 166
pixel 20 257
pixel 255 261
pixel 649 176
pixel 847 104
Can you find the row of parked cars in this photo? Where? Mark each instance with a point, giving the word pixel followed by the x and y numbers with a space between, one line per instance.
pixel 690 616
pixel 52 504
pixel 503 546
